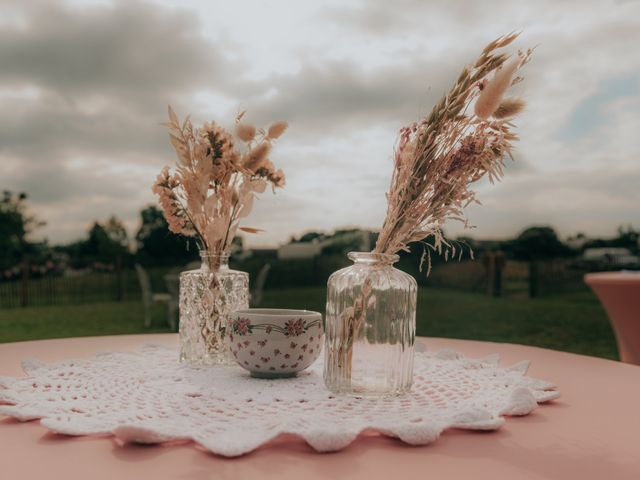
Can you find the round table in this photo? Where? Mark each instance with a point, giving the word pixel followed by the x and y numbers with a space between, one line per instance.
pixel 591 432
pixel 619 293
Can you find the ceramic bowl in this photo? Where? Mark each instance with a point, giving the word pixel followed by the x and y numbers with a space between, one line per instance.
pixel 275 343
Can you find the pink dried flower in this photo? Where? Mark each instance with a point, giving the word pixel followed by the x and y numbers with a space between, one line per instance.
pixel 256 157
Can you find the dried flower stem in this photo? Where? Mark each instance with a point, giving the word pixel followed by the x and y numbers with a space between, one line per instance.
pixel 437 159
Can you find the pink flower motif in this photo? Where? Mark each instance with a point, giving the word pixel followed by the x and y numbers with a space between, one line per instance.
pixel 276 352
pixel 242 326
pixel 286 355
pixel 293 328
pixel 262 343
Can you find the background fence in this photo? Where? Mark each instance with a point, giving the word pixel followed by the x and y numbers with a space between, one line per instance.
pixel 511 279
pixel 88 287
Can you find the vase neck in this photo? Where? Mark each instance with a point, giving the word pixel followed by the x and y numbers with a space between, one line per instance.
pixel 370 258
pixel 214 261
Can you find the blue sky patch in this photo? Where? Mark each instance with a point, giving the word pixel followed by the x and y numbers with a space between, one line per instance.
pixel 589 114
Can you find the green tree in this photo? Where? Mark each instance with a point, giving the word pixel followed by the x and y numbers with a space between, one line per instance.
pixel 627 237
pixel 16 225
pixel 311 236
pixel 536 243
pixel 106 242
pixel 159 246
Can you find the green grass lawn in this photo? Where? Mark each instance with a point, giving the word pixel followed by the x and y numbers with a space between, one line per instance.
pixel 572 322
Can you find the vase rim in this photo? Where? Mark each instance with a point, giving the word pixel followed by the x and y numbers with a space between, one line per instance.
pixel 206 254
pixel 276 312
pixel 372 257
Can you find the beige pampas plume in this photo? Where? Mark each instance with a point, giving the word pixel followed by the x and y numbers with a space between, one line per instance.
pixel 509 107
pixel 491 96
pixel 245 132
pixel 276 129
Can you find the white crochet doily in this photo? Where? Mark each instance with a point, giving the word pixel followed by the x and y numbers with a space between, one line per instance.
pixel 148 397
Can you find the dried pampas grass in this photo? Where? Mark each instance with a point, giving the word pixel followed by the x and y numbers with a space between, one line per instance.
pixel 439 158
pixel 215 183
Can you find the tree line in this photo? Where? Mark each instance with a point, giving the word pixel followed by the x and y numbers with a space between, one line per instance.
pixel 107 245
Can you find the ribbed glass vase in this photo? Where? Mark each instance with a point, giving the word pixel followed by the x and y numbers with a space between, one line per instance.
pixel 370 328
pixel 208 296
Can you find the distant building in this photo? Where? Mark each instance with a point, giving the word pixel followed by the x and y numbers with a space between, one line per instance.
pixel 614 256
pixel 264 253
pixel 358 240
pixel 300 250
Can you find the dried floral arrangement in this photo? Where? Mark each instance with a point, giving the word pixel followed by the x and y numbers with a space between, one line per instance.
pixel 439 158
pixel 465 137
pixel 215 182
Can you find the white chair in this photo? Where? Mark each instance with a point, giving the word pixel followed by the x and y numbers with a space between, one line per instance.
pixel 261 279
pixel 172 281
pixel 149 298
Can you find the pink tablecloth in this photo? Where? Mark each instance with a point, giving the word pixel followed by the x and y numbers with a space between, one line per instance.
pixel 590 433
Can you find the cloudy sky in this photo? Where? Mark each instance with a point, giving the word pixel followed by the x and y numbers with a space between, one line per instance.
pixel 84 87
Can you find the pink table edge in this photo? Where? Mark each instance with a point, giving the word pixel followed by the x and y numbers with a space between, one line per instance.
pixel 590 433
pixel 620 277
pixel 619 293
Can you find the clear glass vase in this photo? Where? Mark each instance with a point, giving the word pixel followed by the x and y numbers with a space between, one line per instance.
pixel 208 296
pixel 370 327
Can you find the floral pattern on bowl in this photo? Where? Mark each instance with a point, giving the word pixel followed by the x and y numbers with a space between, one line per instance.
pixel 275 343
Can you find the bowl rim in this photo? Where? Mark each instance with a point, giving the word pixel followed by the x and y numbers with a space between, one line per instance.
pixel 277 312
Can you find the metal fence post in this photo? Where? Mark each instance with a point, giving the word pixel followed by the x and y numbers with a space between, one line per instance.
pixel 24 285
pixel 534 279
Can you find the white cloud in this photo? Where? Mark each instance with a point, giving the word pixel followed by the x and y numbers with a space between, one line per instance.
pixel 84 86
